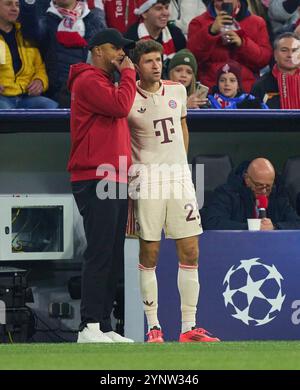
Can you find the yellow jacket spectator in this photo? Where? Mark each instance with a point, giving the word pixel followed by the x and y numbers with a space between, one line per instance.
pixel 32 68
pixel 23 76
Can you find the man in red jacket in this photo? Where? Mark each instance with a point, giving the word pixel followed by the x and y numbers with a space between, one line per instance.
pixel 100 157
pixel 245 41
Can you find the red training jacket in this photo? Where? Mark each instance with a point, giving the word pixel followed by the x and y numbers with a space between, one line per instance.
pixel 99 129
pixel 119 14
pixel 254 54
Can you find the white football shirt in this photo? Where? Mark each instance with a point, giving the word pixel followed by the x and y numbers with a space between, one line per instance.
pixel 156 133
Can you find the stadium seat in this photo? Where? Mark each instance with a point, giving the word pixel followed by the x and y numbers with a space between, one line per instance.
pixel 291 180
pixel 216 170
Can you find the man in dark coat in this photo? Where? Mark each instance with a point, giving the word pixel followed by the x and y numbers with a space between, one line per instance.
pixel 62 34
pixel 280 87
pixel 235 201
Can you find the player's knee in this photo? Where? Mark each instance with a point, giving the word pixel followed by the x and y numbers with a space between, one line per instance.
pixel 148 262
pixel 189 255
pixel 149 257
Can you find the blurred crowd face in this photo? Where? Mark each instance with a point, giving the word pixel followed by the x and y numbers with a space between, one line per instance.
pixel 9 11
pixel 157 16
pixel 182 74
pixel 228 85
pixel 68 4
pixel 287 54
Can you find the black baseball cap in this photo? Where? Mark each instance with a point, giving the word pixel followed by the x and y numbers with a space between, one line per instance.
pixel 110 35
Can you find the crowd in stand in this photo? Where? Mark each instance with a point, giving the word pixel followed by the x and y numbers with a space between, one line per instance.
pixel 227 42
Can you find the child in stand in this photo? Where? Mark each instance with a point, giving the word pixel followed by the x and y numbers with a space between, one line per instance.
pixel 183 69
pixel 228 93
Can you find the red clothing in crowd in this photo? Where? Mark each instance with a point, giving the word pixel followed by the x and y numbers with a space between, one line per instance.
pixel 118 13
pixel 254 53
pixel 99 129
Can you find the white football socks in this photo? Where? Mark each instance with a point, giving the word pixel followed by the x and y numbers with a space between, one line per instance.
pixel 189 287
pixel 148 285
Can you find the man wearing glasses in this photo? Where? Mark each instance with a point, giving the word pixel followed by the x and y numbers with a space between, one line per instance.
pixel 236 200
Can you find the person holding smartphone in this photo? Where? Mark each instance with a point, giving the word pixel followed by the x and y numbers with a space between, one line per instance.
pixel 247 43
pixel 183 69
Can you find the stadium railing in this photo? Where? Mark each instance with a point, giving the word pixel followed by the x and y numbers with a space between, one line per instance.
pixel 35 121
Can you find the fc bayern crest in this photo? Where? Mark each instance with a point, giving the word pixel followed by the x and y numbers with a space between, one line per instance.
pixel 172 104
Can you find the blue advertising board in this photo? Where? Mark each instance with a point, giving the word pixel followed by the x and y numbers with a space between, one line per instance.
pixel 249 285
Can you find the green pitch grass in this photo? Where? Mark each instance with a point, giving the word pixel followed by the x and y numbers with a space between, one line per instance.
pixel 175 356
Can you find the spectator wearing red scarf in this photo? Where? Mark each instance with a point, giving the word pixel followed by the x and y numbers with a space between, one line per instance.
pixel 154 24
pixel 280 88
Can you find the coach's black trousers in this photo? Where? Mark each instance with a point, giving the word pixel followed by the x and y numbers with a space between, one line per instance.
pixel 105 225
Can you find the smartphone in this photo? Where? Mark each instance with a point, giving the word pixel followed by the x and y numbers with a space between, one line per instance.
pixel 228 8
pixel 201 90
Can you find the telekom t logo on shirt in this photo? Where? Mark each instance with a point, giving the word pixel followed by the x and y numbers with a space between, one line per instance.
pixel 165 130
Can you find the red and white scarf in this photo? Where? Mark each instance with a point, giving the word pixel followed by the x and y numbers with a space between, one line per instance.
pixel 167 40
pixel 71 29
pixel 289 88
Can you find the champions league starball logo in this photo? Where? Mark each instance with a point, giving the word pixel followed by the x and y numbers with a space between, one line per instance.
pixel 253 292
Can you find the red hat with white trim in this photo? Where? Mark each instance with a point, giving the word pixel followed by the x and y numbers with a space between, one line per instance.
pixel 143 6
pixel 231 67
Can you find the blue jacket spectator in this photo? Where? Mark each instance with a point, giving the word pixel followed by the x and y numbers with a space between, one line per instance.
pixel 62 34
pixel 242 101
pixel 228 93
pixel 42 6
pixel 234 202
